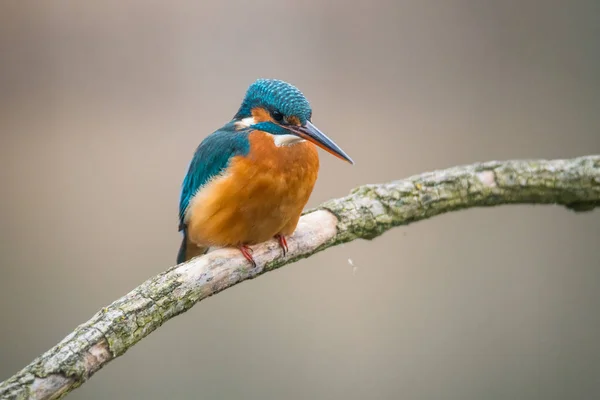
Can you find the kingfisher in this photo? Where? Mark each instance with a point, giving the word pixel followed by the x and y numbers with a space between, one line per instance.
pixel 249 181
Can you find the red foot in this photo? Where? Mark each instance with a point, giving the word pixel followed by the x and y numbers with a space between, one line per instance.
pixel 283 244
pixel 247 252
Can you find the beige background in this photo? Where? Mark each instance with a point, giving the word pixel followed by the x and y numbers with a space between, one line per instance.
pixel 103 103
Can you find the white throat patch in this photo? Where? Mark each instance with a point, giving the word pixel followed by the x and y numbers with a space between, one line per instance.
pixel 245 123
pixel 286 140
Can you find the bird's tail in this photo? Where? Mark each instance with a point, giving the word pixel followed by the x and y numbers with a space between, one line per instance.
pixel 188 250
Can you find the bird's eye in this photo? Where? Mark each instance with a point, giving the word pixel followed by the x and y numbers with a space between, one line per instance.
pixel 277 116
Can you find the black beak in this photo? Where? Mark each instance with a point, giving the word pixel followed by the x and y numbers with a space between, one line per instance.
pixel 314 135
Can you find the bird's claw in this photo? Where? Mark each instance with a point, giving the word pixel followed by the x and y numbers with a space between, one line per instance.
pixel 247 253
pixel 283 244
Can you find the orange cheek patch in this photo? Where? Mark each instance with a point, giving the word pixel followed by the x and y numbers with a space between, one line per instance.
pixel 261 115
pixel 292 120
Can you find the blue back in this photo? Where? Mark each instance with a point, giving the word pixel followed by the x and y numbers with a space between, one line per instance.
pixel 210 159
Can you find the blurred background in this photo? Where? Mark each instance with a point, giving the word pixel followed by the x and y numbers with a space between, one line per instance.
pixel 103 103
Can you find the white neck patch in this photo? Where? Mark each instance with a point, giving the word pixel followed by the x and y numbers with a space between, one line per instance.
pixel 286 140
pixel 245 123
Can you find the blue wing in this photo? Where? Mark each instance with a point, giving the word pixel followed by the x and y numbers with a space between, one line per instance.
pixel 211 158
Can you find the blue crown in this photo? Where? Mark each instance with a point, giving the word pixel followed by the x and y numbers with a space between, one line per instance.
pixel 275 95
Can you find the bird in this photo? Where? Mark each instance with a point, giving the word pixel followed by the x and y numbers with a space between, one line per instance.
pixel 249 181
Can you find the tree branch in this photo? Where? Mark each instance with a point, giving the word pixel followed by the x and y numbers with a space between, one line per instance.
pixel 366 213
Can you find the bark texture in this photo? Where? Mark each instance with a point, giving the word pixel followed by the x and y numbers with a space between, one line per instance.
pixel 365 213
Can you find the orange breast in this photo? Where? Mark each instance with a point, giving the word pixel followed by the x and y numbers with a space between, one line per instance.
pixel 259 196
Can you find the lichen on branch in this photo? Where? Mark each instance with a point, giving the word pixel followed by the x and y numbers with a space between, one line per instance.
pixel 365 213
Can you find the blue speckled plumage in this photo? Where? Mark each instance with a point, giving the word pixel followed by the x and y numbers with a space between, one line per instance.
pixel 275 95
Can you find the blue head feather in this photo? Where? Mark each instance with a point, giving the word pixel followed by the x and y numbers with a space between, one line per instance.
pixel 275 96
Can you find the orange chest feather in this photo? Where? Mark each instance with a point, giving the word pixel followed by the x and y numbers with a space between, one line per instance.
pixel 294 162
pixel 260 195
pixel 277 175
